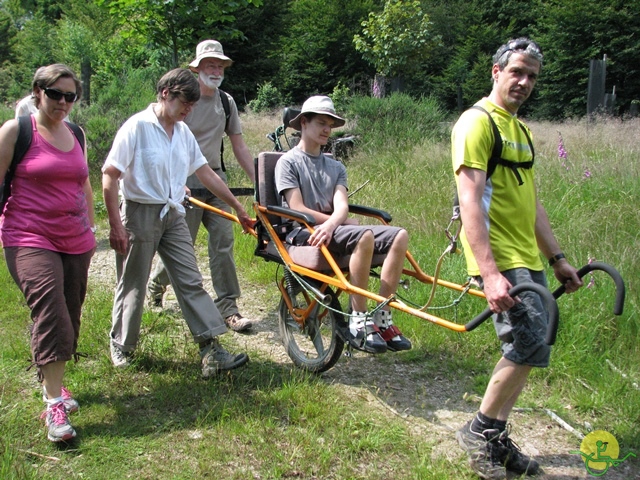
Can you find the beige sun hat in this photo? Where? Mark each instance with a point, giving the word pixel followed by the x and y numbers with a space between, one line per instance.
pixel 317 104
pixel 209 49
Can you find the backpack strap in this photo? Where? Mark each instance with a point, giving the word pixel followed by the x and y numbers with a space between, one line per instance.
pixel 496 154
pixel 227 113
pixel 23 142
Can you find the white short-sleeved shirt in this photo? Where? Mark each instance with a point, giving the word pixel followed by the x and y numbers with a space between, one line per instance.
pixel 154 168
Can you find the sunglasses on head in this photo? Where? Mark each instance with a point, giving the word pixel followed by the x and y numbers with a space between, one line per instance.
pixel 54 94
pixel 525 46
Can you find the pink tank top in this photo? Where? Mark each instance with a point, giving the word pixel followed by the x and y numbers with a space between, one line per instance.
pixel 47 207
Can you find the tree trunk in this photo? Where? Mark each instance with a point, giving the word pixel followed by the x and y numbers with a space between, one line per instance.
pixel 85 74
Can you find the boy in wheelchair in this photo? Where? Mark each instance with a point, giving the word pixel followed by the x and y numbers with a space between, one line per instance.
pixel 314 183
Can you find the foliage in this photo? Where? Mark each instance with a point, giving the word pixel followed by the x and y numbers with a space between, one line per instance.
pixel 132 93
pixel 341 97
pixel 268 98
pixel 398 39
pixel 396 121
pixel 175 24
pixel 304 47
pixel 612 31
pixel 316 50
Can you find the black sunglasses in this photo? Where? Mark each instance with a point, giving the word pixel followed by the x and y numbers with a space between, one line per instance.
pixel 54 94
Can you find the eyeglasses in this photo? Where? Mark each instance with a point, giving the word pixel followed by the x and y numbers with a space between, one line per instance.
pixel 56 95
pixel 186 104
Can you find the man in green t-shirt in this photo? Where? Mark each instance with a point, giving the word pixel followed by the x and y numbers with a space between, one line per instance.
pixel 505 229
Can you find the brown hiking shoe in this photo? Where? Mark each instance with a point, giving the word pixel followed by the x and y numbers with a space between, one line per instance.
pixel 238 323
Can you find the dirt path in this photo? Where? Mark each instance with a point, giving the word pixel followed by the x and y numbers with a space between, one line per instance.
pixel 431 406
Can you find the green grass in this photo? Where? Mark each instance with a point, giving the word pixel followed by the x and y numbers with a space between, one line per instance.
pixel 269 420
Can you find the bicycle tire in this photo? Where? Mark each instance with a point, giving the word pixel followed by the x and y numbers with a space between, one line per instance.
pixel 316 346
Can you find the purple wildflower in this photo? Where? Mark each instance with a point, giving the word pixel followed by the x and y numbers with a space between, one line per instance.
pixel 587 173
pixel 562 152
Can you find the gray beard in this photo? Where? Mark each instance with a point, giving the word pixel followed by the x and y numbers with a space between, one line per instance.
pixel 209 82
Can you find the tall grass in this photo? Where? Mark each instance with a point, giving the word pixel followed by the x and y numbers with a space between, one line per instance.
pixel 160 420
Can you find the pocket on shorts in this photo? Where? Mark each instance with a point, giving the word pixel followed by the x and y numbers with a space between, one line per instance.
pixel 298 236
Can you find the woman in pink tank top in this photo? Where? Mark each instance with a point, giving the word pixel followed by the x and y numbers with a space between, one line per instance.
pixel 47 233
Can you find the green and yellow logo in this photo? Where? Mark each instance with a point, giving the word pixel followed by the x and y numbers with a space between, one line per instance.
pixel 600 451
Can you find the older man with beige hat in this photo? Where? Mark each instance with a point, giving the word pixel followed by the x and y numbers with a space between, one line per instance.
pixel 213 116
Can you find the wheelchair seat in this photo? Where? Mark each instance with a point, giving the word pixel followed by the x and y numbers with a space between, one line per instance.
pixel 305 256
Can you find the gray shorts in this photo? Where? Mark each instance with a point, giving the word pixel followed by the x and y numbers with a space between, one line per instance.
pixel 346 237
pixel 522 329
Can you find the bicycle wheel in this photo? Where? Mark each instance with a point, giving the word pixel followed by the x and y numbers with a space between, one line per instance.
pixel 315 346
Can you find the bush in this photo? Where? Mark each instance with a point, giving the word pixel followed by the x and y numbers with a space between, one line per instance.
pixel 398 120
pixel 268 98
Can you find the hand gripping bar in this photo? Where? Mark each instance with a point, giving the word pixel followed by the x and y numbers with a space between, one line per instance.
pixel 549 301
pixel 613 273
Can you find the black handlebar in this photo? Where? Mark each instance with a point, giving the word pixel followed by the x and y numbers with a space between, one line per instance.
pixel 613 273
pixel 549 301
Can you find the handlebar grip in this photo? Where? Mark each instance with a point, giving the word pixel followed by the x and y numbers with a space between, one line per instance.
pixel 613 273
pixel 549 302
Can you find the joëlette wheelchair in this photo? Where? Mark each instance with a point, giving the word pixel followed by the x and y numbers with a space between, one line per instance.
pixel 312 323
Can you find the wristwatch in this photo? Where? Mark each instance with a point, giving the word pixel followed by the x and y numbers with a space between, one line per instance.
pixel 555 258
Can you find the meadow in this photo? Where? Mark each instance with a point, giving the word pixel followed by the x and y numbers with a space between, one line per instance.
pixel 270 420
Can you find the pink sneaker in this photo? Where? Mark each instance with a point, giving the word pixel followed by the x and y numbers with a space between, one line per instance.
pixel 55 418
pixel 70 403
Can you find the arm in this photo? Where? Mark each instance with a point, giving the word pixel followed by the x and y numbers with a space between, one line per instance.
pixel 471 183
pixel 326 224
pixel 118 236
pixel 88 194
pixel 215 185
pixel 243 155
pixel 562 269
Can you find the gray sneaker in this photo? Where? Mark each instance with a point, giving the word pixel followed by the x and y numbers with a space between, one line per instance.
pixel 57 422
pixel 119 358
pixel 513 459
pixel 216 359
pixel 484 451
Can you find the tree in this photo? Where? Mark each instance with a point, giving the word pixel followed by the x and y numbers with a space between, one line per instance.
pixel 397 40
pixel 569 46
pixel 316 52
pixel 175 24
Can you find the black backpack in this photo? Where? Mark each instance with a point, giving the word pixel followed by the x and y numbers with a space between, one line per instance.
pixel 23 142
pixel 496 157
